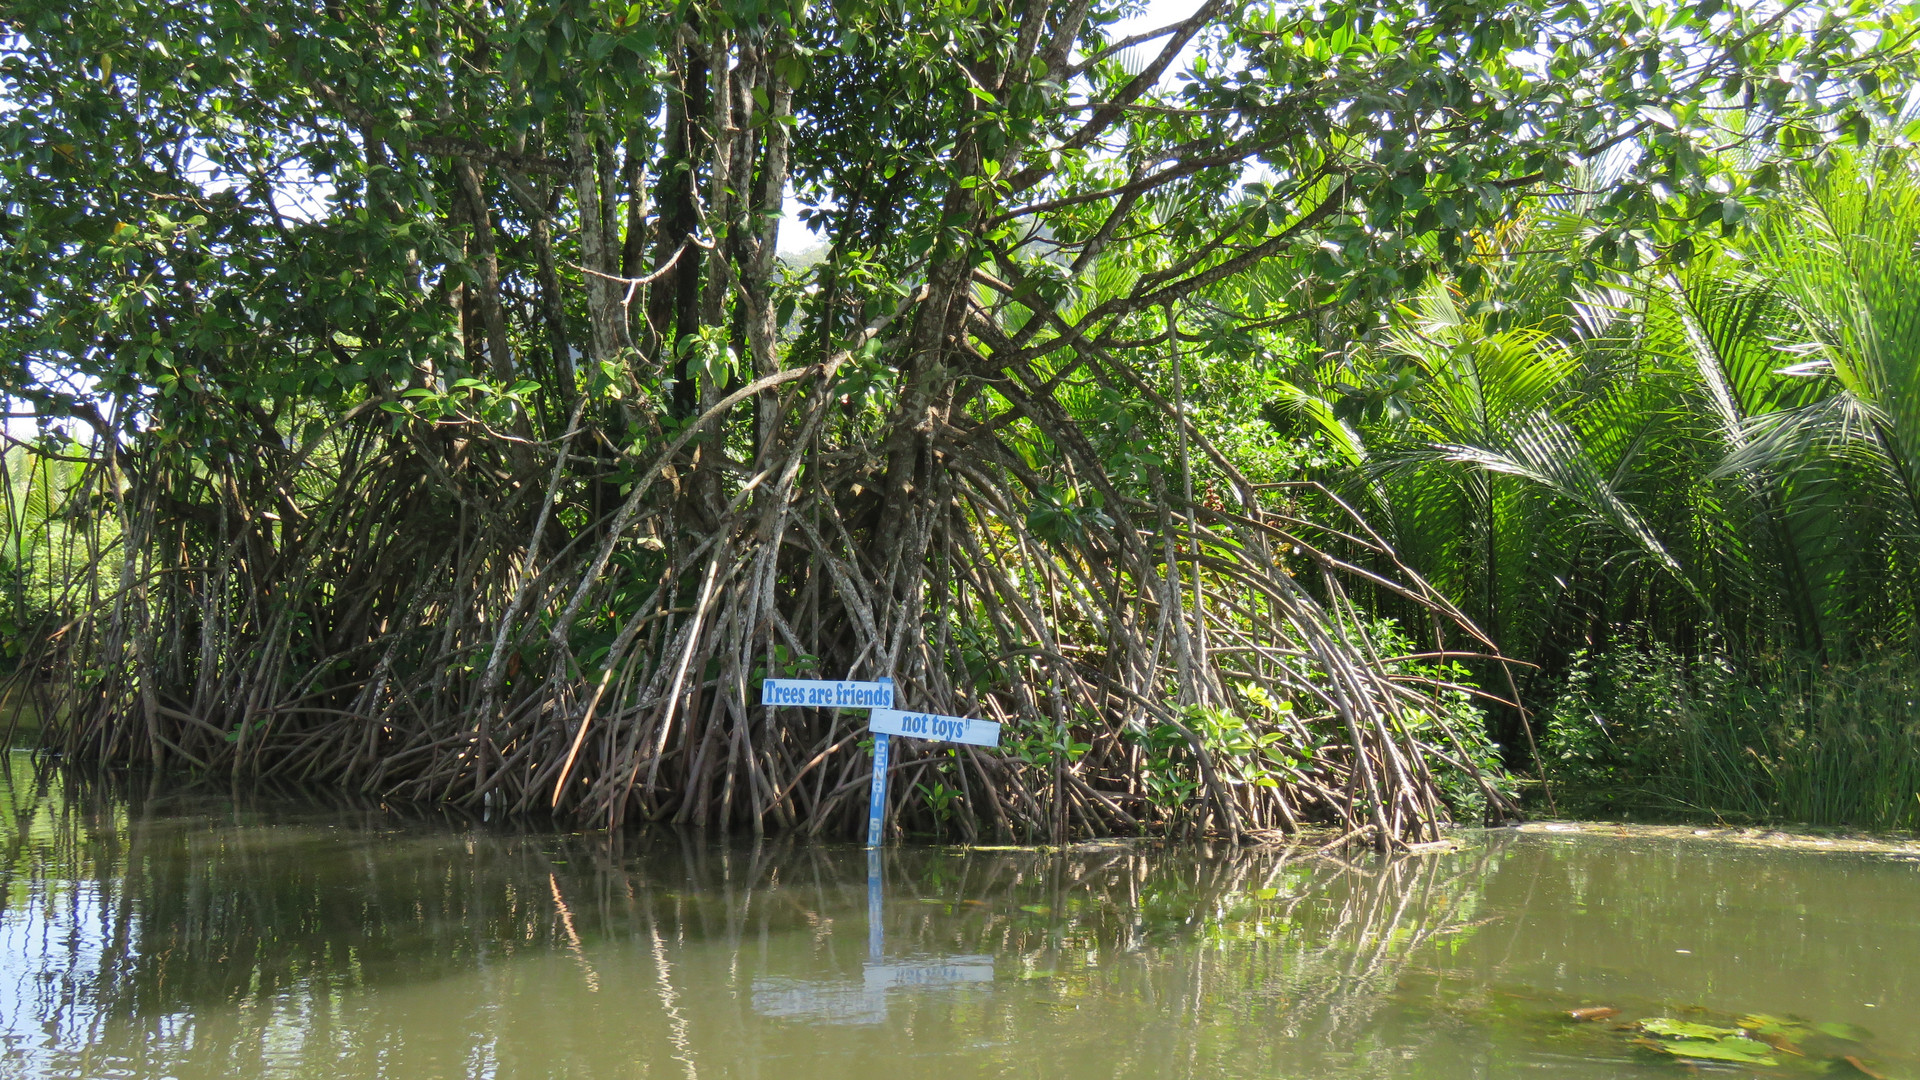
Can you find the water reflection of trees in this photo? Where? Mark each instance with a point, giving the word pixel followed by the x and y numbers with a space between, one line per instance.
pixel 1270 957
pixel 149 914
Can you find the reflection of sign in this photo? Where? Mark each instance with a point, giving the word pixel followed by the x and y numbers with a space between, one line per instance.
pixel 841 1001
pixel 829 1002
pixel 838 1001
pixel 958 729
pixel 936 972
pixel 825 694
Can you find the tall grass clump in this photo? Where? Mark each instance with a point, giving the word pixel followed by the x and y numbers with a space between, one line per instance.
pixel 1648 732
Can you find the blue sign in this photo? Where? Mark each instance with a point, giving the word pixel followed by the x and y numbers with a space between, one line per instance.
pixel 827 694
pixel 959 729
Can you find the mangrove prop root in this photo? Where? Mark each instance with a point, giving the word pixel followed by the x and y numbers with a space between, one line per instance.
pixel 406 626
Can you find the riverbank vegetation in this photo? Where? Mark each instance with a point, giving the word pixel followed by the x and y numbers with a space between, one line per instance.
pixel 1687 494
pixel 1257 414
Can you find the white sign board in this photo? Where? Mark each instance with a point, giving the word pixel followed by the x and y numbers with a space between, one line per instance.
pixel 915 725
pixel 824 694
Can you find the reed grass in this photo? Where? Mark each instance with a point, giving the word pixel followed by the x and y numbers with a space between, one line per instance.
pixel 1779 741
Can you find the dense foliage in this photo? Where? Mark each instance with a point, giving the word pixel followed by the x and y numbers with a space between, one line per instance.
pixel 1721 451
pixel 448 425
pixel 1680 488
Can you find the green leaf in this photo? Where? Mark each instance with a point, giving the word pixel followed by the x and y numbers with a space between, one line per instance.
pixel 1778 1027
pixel 1738 1050
pixel 1685 1029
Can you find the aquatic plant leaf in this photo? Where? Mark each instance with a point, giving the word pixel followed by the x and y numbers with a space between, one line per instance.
pixel 1782 1044
pixel 1775 1026
pixel 1848 1032
pixel 1734 1049
pixel 1684 1029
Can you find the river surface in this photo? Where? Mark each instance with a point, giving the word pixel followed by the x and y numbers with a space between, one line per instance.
pixel 211 936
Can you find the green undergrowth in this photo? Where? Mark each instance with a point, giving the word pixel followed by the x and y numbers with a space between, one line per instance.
pixel 1268 742
pixel 1652 734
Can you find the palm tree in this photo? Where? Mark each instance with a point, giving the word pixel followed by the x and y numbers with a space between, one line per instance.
pixel 1728 454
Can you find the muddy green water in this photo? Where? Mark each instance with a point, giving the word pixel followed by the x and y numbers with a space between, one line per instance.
pixel 208 936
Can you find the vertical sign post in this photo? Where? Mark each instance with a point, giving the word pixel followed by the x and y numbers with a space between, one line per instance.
pixel 877 801
pixel 876 812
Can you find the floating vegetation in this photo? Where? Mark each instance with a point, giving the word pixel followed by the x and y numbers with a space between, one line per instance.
pixel 1784 1044
pixel 1685 1029
pixel 1732 1047
pixel 1803 838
